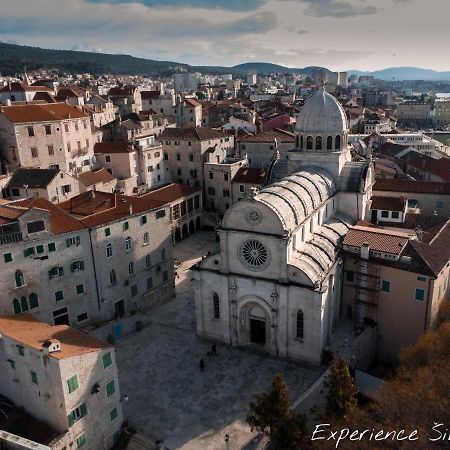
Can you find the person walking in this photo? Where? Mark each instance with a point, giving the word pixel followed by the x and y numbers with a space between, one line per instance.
pixel 214 349
pixel 202 364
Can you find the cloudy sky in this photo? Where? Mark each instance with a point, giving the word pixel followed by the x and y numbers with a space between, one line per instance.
pixel 338 34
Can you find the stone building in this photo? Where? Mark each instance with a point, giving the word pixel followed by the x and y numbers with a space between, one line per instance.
pixel 275 281
pixel 50 135
pixel 63 377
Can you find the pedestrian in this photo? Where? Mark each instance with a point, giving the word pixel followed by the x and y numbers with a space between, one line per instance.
pixel 214 349
pixel 202 364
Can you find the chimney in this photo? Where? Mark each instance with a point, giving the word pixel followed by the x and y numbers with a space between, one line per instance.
pixel 365 250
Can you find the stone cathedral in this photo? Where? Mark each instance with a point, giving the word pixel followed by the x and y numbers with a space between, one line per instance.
pixel 276 280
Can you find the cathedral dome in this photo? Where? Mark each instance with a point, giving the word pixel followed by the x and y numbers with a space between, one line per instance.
pixel 322 113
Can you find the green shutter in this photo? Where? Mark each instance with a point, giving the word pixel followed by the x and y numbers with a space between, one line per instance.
pixel 68 243
pixel 143 220
pixel 59 295
pixel 81 440
pixel 34 302
pixel 420 295
pixel 110 388
pixel 7 257
pixel 34 378
pixel 40 249
pixel 83 409
pixel 113 414
pixel 81 265
pixel 51 247
pixel 71 418
pixel 72 384
pixel 20 349
pixel 16 306
pixel 107 360
pixel 24 304
pixel 107 231
pixel 28 251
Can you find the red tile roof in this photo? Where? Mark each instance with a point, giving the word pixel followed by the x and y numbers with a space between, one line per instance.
pixel 250 175
pixel 113 147
pixel 270 136
pixel 22 87
pixel 171 192
pixel 427 164
pixel 411 186
pixel 93 177
pixel 388 203
pixel 193 102
pixel 42 112
pixel 192 134
pixel 29 331
pixel 380 240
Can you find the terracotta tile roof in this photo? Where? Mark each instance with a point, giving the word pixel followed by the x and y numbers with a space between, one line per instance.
pixel 193 102
pixel 61 222
pixel 411 186
pixel 113 147
pixel 171 192
pixel 93 177
pixel 10 212
pixel 45 96
pixel 250 175
pixel 388 203
pixel 121 91
pixel 22 87
pixel 42 112
pixel 391 148
pixel 66 92
pixel 94 208
pixel 30 332
pixel 424 163
pixel 192 134
pixel 380 240
pixel 270 136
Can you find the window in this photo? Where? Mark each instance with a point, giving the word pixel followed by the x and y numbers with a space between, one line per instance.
pixel 309 143
pixel 337 142
pixel 395 214
pixel 51 247
pixel 82 317
pixel 125 226
pixel 51 150
pixel 165 276
pixel 216 305
pixel 384 213
pixel 77 414
pixel 66 127
pixel 59 295
pixel 79 289
pixel 107 158
pixel 166 157
pixel 161 213
pixel 20 280
pixel 55 272
pixel 12 364
pixel 329 143
pixel 211 191
pixel 163 254
pixel 16 306
pixel 350 276
pixel 107 360
pixel 48 129
pixel 241 188
pixel 34 152
pixel 20 350
pixel 439 204
pixel 134 290
pixel 34 377
pixel 69 147
pixel 146 238
pixel 35 227
pixel 178 157
pixel 34 301
pixel 386 286
pixel 131 268
pixel 113 414
pixel 110 388
pixel 113 277
pixel 7 257
pixel 211 176
pixel 318 143
pixel 150 169
pixel 39 249
pixel 299 328
pixel 30 131
pixel 81 440
pixel 72 384
pixel 75 240
pixel 143 220
pixel 191 157
pixel 226 193
pixel 109 250
pixel 107 232
pixel 421 278
pixel 77 266
pixel 128 243
pixel 419 295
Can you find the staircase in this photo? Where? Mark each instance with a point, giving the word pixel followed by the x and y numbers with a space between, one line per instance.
pixel 140 442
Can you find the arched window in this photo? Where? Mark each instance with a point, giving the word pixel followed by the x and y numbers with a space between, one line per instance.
pixel 146 238
pixel 318 143
pixel 148 260
pixel 128 244
pixel 24 304
pixel 216 304
pixel 299 325
pixel 113 277
pixel 337 142
pixel 20 281
pixel 301 142
pixel 16 306
pixel 329 143
pixel 311 225
pixel 131 268
pixel 34 302
pixel 109 250
pixel 309 143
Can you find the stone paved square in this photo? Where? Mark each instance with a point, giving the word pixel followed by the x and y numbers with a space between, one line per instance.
pixel 170 398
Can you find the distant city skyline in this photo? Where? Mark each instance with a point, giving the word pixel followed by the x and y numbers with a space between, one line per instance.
pixel 337 34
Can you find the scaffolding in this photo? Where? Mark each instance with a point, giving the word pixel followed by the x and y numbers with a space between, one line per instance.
pixel 367 291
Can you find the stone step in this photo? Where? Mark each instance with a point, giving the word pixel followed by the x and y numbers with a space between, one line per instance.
pixel 141 442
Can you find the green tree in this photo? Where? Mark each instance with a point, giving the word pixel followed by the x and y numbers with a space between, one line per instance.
pixel 271 415
pixel 341 396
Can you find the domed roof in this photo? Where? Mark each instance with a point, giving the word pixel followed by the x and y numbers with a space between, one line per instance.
pixel 322 113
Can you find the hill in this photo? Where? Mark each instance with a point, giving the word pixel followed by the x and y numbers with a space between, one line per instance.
pixel 406 73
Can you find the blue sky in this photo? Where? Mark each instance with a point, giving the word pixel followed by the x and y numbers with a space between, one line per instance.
pixel 338 34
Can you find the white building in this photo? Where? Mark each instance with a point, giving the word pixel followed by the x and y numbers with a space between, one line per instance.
pixel 275 282
pixel 63 377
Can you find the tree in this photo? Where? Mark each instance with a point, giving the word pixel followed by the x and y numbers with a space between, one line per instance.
pixel 271 415
pixel 341 397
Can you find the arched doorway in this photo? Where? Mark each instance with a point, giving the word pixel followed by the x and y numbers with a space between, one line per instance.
pixel 184 232
pixel 191 227
pixel 177 235
pixel 257 325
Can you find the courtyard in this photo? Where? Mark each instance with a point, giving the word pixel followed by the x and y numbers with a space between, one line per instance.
pixel 170 399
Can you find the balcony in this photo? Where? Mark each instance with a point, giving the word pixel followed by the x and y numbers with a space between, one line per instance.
pixel 10 238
